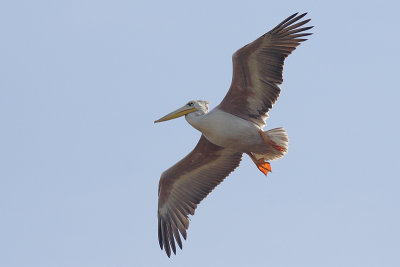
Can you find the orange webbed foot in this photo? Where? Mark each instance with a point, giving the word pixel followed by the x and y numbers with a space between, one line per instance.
pixel 263 166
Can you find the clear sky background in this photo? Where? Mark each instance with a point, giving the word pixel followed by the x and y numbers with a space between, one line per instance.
pixel 81 83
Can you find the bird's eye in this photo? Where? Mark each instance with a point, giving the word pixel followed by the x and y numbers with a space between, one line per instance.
pixel 190 104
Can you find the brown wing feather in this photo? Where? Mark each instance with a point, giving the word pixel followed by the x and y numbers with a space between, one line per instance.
pixel 187 183
pixel 257 70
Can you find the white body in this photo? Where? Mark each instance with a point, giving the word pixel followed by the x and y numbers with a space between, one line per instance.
pixel 229 131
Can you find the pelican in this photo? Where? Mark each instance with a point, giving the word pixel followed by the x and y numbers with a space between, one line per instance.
pixel 232 128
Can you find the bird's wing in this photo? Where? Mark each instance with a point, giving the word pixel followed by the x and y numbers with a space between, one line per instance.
pixel 257 70
pixel 185 184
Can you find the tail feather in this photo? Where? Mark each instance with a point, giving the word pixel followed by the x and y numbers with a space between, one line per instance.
pixel 279 142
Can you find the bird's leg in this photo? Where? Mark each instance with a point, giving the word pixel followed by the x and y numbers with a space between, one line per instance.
pixel 261 164
pixel 268 141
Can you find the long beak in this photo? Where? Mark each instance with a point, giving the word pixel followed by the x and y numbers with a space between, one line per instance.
pixel 177 113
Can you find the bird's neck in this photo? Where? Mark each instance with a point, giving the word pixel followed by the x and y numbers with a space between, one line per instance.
pixel 196 119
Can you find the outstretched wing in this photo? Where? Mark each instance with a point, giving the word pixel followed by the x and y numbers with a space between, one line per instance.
pixel 187 183
pixel 257 70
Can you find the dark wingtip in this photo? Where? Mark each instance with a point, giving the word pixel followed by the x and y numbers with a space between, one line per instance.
pixel 180 245
pixel 160 233
pixel 295 17
pixel 168 250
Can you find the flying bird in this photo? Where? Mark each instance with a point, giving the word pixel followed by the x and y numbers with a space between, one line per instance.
pixel 232 128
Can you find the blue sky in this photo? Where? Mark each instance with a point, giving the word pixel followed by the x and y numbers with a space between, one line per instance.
pixel 82 82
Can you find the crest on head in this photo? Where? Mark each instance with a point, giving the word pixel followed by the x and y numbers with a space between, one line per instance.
pixel 200 105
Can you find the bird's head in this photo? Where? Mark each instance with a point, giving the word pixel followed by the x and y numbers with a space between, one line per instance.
pixel 197 107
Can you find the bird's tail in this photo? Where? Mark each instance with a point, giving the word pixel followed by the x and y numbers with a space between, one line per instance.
pixel 279 143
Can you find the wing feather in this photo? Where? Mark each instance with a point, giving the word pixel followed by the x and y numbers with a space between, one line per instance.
pixel 183 186
pixel 258 67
